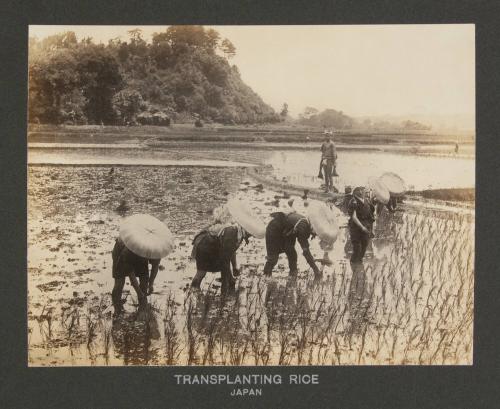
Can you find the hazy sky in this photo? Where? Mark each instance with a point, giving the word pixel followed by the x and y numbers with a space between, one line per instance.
pixel 361 70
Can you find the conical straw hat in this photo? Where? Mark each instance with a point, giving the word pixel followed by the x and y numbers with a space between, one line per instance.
pixel 147 236
pixel 323 221
pixel 244 215
pixel 379 190
pixel 394 183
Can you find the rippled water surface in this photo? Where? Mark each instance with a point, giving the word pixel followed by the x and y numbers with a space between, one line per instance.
pixel 354 168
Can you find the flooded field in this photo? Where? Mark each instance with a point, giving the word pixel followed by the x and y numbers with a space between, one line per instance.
pixel 411 302
pixel 355 167
pixel 296 166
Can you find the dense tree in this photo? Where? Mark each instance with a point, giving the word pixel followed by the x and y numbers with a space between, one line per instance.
pixel 415 126
pixel 284 110
pixel 228 48
pixel 179 74
pixel 127 104
pixel 329 118
pixel 308 113
pixel 99 79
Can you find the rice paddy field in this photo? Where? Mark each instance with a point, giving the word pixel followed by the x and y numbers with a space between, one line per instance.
pixel 411 302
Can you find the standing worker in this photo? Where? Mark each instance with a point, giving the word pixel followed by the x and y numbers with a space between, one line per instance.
pixel 286 227
pixel 361 212
pixel 328 158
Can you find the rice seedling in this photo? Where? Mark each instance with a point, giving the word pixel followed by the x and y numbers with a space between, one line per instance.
pixel 414 305
pixel 170 331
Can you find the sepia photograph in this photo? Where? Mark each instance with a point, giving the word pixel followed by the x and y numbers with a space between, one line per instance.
pixel 298 195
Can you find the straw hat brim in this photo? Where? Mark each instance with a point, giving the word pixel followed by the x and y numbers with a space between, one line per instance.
pixel 394 183
pixel 323 222
pixel 147 236
pixel 379 190
pixel 244 215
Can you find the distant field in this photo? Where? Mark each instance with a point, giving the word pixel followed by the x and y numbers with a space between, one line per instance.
pixel 250 133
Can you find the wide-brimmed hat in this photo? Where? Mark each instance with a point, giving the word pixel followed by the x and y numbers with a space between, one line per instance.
pixel 244 215
pixel 395 184
pixel 147 236
pixel 379 190
pixel 323 220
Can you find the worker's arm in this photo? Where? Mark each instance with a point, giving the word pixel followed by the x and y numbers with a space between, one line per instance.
pixel 306 252
pixel 140 295
pixel 229 248
pixel 155 264
pixel 234 263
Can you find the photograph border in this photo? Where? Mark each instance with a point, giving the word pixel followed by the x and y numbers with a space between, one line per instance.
pixel 346 386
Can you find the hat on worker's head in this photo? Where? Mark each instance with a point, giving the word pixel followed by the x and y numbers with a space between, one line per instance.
pixel 379 190
pixel 359 192
pixel 322 219
pixel 244 215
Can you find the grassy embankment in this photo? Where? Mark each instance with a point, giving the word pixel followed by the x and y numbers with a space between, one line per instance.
pixel 250 133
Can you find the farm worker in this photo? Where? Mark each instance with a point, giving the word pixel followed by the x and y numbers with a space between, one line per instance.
pixel 143 240
pixel 128 264
pixel 286 227
pixel 361 212
pixel 214 248
pixel 347 198
pixel 328 157
pixel 392 204
pixel 395 186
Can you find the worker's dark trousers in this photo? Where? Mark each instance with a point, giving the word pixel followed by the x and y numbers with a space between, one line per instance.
pixel 328 171
pixel 272 259
pixel 359 240
pixel 277 243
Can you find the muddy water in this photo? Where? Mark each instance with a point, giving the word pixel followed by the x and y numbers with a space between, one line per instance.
pixel 74 216
pixel 297 166
pixel 125 155
pixel 355 168
pixel 73 221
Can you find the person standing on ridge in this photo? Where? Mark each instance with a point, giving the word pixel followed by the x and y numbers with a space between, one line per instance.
pixel 328 158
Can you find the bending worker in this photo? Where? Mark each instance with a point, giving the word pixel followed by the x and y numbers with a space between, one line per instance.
pixel 286 227
pixel 214 248
pixel 143 240
pixel 128 264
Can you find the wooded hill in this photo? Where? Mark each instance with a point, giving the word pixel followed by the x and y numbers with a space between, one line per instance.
pixel 183 74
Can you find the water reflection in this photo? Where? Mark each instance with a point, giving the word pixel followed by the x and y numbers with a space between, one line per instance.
pixel 358 300
pixel 132 336
pixel 355 168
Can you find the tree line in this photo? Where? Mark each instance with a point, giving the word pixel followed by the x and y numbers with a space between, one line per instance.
pixel 183 74
pixel 330 118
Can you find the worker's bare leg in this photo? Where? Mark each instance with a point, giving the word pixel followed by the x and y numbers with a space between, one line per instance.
pixel 198 278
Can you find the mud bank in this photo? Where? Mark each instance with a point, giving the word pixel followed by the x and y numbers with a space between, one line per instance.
pixel 264 175
pixel 450 195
